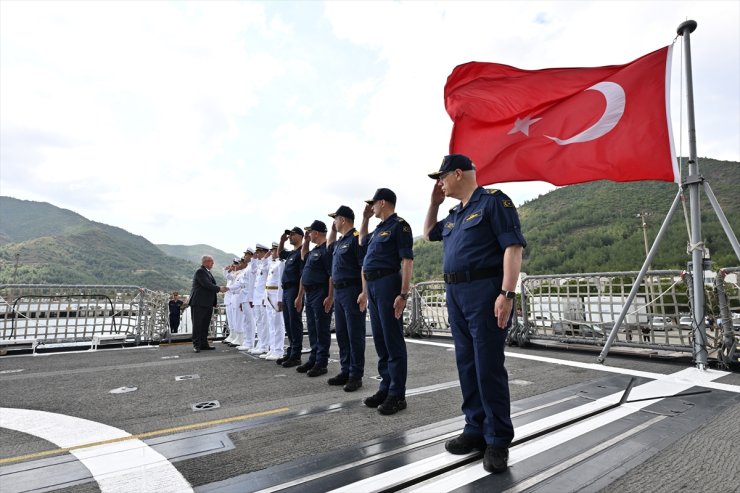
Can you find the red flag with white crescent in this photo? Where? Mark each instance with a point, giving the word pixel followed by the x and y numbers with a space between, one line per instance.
pixel 564 125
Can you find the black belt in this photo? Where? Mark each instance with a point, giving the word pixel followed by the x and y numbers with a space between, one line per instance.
pixel 371 275
pixel 347 283
pixel 313 287
pixel 288 285
pixel 472 275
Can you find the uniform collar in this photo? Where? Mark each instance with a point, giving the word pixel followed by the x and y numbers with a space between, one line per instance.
pixel 473 198
pixel 391 217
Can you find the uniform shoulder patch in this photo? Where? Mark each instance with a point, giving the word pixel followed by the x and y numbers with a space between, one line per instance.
pixel 356 233
pixel 492 191
pixel 508 203
pixel 406 229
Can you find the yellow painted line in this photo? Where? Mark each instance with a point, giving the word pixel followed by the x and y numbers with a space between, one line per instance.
pixel 148 434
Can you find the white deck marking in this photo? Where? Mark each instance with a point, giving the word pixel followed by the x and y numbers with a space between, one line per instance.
pixel 544 475
pixel 125 466
pixel 698 379
pixel 677 383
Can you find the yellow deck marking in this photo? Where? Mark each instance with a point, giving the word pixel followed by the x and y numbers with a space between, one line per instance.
pixel 148 434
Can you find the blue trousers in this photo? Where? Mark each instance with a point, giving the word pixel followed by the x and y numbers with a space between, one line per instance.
pixel 319 323
pixel 479 351
pixel 350 329
pixel 388 334
pixel 293 323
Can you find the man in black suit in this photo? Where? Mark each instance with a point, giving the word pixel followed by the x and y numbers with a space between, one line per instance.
pixel 202 300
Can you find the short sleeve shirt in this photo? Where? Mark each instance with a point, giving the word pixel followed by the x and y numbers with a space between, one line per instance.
pixel 391 242
pixel 476 236
pixel 347 256
pixel 317 268
pixel 293 265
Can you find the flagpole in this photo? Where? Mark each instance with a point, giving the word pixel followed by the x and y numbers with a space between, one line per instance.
pixel 693 182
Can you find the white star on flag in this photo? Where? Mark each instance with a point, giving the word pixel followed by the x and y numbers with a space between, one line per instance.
pixel 522 125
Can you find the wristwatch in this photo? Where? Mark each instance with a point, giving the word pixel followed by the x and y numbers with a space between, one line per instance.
pixel 509 295
pixel 405 296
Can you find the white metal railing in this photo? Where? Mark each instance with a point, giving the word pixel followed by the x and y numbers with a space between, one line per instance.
pixel 582 308
pixel 59 314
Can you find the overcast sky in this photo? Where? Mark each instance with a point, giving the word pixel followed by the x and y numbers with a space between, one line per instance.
pixel 226 122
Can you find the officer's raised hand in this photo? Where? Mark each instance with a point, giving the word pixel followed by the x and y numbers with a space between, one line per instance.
pixel 438 195
pixel 367 213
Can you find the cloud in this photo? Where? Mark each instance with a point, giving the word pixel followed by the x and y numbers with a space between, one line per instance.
pixel 225 122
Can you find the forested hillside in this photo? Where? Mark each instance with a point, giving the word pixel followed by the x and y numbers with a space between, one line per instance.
pixel 43 244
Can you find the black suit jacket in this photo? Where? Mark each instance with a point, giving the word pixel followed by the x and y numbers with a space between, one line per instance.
pixel 204 290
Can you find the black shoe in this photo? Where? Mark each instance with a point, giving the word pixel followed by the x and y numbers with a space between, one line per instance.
pixel 353 384
pixel 208 348
pixel 496 459
pixel 196 350
pixel 464 444
pixel 340 379
pixel 392 404
pixel 376 399
pixel 304 367
pixel 317 371
pixel 281 360
pixel 289 363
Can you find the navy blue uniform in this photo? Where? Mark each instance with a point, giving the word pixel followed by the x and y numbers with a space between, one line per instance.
pixel 175 308
pixel 292 317
pixel 475 237
pixel 315 279
pixel 391 242
pixel 347 256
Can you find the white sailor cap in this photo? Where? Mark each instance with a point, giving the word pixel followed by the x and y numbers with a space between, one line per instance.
pixel 260 246
pixel 274 245
pixel 237 260
pixel 249 250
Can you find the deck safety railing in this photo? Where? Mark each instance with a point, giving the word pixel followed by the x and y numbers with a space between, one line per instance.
pixel 581 309
pixel 63 314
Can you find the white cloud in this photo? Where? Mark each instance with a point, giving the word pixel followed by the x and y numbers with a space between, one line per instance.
pixel 225 122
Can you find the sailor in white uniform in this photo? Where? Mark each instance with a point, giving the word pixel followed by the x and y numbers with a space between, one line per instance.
pixel 236 294
pixel 274 307
pixel 246 283
pixel 259 300
pixel 230 275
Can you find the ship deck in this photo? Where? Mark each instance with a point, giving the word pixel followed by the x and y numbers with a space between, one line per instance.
pixel 162 418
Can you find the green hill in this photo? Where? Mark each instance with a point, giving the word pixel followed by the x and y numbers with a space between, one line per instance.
pixel 193 253
pixel 594 227
pixel 43 244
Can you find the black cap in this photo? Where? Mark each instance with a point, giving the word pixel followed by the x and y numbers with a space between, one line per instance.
pixel 383 194
pixel 451 163
pixel 295 230
pixel 317 226
pixel 343 211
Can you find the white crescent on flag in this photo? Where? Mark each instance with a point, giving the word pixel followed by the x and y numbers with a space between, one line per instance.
pixel 615 101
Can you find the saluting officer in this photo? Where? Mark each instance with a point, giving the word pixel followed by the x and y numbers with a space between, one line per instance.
pixel 246 294
pixel 259 300
pixel 290 281
pixel 483 246
pixel 386 282
pixel 346 273
pixel 274 306
pixel 316 284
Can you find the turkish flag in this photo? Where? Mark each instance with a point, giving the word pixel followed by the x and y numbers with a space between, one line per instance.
pixel 564 125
